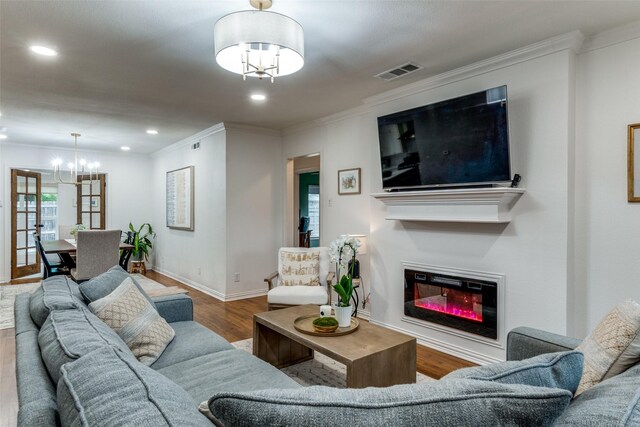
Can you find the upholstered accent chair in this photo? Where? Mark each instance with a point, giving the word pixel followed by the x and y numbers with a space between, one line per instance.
pixel 303 277
pixel 98 251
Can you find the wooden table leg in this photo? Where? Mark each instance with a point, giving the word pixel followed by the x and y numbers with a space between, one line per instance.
pixel 393 366
pixel 277 349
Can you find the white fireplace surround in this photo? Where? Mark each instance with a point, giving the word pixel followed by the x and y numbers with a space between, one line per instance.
pixel 498 278
pixel 480 205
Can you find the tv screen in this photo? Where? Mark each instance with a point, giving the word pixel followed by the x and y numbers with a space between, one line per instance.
pixel 457 142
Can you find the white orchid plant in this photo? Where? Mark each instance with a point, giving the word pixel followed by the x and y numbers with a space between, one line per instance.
pixel 341 250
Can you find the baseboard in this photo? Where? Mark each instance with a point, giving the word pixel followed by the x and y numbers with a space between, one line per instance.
pixel 202 288
pixel 211 292
pixel 454 350
pixel 246 294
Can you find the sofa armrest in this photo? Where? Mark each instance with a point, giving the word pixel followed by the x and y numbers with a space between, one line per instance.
pixel 524 342
pixel 175 308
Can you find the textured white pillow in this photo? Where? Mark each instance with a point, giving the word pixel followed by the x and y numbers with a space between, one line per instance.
pixel 297 268
pixel 612 347
pixel 128 312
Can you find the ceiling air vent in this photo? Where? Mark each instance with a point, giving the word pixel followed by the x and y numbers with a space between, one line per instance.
pixel 400 71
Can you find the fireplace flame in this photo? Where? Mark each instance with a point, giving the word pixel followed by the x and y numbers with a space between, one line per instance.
pixel 447 308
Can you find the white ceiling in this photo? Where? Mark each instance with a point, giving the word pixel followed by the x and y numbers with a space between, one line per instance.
pixel 125 66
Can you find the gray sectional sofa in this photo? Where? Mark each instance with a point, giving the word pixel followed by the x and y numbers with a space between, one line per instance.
pixel 61 347
pixel 73 370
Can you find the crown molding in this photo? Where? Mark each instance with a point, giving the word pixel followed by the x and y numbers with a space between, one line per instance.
pixel 611 37
pixel 189 140
pixel 360 110
pixel 569 41
pixel 253 129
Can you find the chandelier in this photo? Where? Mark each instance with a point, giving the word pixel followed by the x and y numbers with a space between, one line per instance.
pixel 76 168
pixel 259 44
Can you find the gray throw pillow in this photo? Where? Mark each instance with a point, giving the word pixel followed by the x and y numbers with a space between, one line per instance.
pixel 130 315
pixel 454 403
pixel 612 402
pixel 555 370
pixel 55 293
pixel 108 388
pixel 102 285
pixel 70 334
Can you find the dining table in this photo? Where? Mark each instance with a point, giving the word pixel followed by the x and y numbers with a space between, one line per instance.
pixel 66 248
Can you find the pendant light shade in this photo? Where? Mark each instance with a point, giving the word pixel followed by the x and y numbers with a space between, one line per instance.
pixel 259 44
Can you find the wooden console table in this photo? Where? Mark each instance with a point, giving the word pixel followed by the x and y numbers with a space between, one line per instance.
pixel 374 356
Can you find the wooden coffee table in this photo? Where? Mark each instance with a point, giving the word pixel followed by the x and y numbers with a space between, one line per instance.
pixel 374 356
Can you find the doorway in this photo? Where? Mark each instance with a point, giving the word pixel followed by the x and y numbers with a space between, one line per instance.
pixel 304 190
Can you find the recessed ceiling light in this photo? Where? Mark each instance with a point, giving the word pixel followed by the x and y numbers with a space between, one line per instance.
pixel 258 97
pixel 3 136
pixel 152 131
pixel 42 50
pixel 125 148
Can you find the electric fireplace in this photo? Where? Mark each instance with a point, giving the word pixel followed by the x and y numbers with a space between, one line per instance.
pixel 462 303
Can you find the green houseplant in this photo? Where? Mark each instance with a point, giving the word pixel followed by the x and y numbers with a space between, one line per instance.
pixel 141 241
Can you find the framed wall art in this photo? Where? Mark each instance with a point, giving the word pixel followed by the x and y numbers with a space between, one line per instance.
pixel 633 163
pixel 349 181
pixel 180 199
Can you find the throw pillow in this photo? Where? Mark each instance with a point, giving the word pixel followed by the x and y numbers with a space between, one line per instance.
pixel 69 334
pixel 613 346
pixel 55 293
pixel 555 370
pixel 299 268
pixel 107 388
pixel 102 285
pixel 140 326
pixel 451 403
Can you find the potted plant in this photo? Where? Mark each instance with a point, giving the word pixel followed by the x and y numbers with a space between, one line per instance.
pixel 341 250
pixel 141 241
pixel 74 230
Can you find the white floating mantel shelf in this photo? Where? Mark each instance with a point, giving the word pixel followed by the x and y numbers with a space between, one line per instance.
pixel 491 205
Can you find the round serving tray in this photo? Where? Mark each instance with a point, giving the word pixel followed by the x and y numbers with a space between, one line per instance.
pixel 304 324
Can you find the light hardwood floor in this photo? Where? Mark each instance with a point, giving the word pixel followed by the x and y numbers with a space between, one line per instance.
pixel 232 320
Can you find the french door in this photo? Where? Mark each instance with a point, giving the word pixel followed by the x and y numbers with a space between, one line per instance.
pixel 25 220
pixel 91 201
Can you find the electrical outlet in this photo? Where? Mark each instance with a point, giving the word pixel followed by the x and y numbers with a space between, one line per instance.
pixel 236 277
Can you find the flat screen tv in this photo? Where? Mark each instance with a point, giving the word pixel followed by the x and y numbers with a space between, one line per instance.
pixel 462 141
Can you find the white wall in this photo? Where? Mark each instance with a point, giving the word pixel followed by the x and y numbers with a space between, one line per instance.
pixel 195 257
pixel 607 226
pixel 254 208
pixel 532 250
pixel 128 187
pixel 238 211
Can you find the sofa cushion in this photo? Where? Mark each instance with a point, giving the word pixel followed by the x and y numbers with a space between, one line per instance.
pixel 107 282
pixel 555 370
pixel 454 403
pixel 133 318
pixel 70 334
pixel 298 295
pixel 229 370
pixel 121 392
pixel 191 340
pixel 55 293
pixel 613 346
pixel 613 402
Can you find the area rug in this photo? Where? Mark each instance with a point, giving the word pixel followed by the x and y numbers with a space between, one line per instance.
pixel 322 370
pixel 8 295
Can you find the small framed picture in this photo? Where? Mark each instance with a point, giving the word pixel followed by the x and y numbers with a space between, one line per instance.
pixel 633 163
pixel 349 181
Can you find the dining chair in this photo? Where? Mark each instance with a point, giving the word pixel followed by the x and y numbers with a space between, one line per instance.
pixel 64 231
pixel 303 277
pixel 97 251
pixel 56 268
